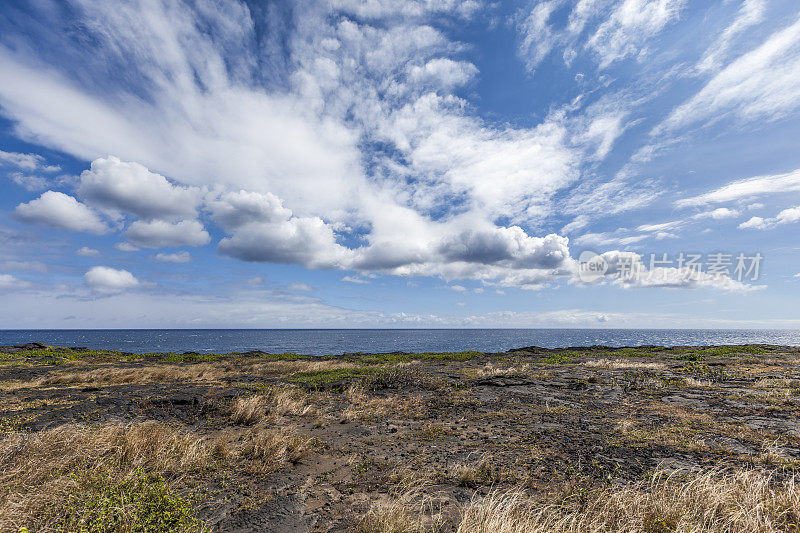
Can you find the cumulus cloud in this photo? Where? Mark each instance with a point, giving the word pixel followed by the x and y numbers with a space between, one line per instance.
pixel 510 246
pixel 7 282
pixel 306 241
pixel 178 257
pixel 109 280
pixel 787 216
pixel 161 234
pixel 628 270
pixel 131 187
pixel 355 150
pixel 234 209
pixel 286 168
pixel 717 214
pixel 60 210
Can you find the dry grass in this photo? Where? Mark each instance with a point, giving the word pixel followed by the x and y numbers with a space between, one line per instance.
pixel 275 401
pixel 774 383
pixel 491 370
pixel 483 471
pixel 117 376
pixel 285 368
pixel 165 372
pixel 697 383
pixel 409 478
pixel 745 501
pixel 39 472
pixel 623 363
pixel 366 406
pixel 410 512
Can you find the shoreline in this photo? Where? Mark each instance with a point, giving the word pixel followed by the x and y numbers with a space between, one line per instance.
pixel 287 442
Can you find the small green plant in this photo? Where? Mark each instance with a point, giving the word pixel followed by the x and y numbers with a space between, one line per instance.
pixel 140 503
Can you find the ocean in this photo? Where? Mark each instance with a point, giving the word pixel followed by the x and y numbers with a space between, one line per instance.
pixel 337 341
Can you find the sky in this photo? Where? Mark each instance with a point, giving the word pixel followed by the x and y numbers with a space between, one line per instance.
pixel 399 163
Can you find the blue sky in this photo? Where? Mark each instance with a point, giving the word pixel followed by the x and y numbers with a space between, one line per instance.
pixel 399 163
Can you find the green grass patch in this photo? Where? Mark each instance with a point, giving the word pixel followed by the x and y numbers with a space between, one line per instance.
pixel 142 503
pixel 324 379
pixel 558 358
pixel 692 357
pixel 698 354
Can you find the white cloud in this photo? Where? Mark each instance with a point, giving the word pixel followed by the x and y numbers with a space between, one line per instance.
pixel 538 37
pixel 750 14
pixel 28 181
pixel 285 166
pixel 787 216
pixel 85 251
pixel 126 247
pixel 234 209
pixel 178 257
pixel 628 270
pixel 717 214
pixel 299 286
pixel 443 73
pixel 7 281
pixel 306 241
pixel 130 187
pixel 355 279
pixel 762 85
pixel 161 234
pixel 618 237
pixel 109 280
pixel 61 211
pixel 629 26
pixel 663 226
pixel 29 162
pixel 281 149
pixel 745 189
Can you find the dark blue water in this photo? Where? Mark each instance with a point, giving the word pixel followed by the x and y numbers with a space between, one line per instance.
pixel 336 341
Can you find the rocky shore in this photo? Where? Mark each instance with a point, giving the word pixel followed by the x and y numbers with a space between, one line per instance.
pixel 98 440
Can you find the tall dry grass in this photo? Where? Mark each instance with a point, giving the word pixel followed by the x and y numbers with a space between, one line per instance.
pixel 623 363
pixel 39 472
pixel 204 372
pixel 276 401
pixel 410 512
pixel 364 406
pixel 737 502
